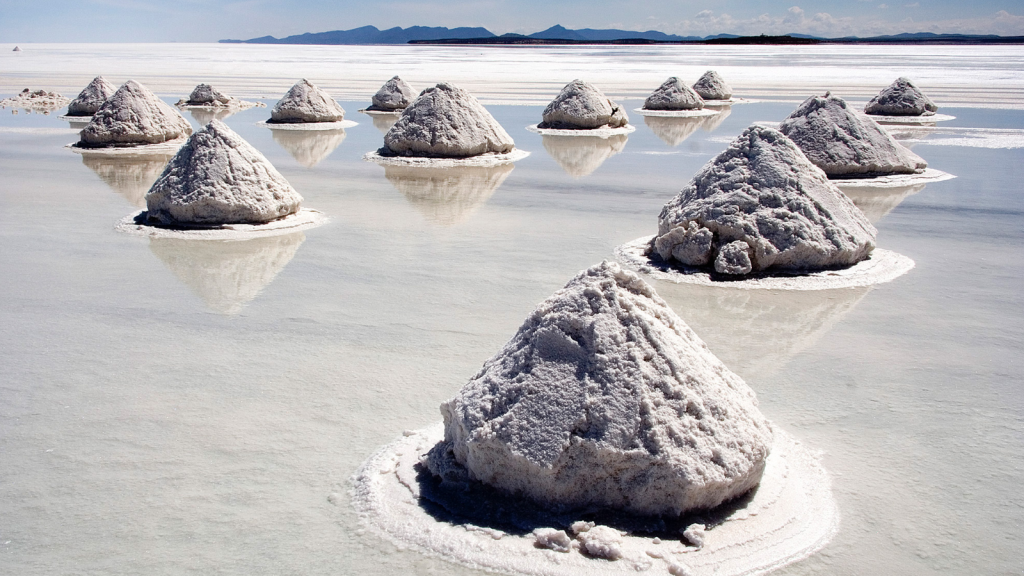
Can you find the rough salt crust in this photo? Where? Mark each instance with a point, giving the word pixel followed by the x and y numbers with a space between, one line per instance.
pixel 38 100
pixel 482 160
pixel 139 150
pixel 676 113
pixel 913 120
pixel 133 116
pixel 883 266
pixel 894 180
pixel 304 219
pixel 790 516
pixel 603 132
pixel 308 125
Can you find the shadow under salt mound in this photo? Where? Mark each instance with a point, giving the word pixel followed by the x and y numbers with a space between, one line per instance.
pixel 384 122
pixel 875 203
pixel 757 332
pixel 227 274
pixel 129 176
pixel 309 148
pixel 673 131
pixel 447 196
pixel 580 156
pixel 206 115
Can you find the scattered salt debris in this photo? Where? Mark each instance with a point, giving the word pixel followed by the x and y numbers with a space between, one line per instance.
pixel 35 100
pixel 601 542
pixel 553 539
pixel 711 86
pixel 901 98
pixel 394 96
pixel 91 97
pixel 133 116
pixel 581 106
pixel 695 534
pixel 673 94
pixel 305 102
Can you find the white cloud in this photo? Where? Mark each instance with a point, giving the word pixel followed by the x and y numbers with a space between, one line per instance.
pixel 912 5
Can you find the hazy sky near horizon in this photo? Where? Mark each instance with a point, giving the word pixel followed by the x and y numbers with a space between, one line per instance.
pixel 211 20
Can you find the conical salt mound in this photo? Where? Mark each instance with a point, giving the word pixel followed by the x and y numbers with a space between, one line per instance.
pixel 304 102
pixel 674 95
pixel 844 143
pixel 218 178
pixel 91 98
pixel 394 95
pixel 762 205
pixel 711 86
pixel 605 398
pixel 206 95
pixel 901 98
pixel 581 106
pixel 134 116
pixel 447 122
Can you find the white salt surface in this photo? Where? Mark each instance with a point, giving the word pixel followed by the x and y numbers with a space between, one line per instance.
pixel 490 159
pixel 304 219
pixel 924 119
pixel 729 102
pixel 929 175
pixel 676 113
pixel 994 138
pixel 77 119
pixel 604 132
pixel 395 113
pixel 139 150
pixel 791 515
pixel 883 266
pixel 308 125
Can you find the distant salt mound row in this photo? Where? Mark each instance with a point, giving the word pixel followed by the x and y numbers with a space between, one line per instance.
pixel 901 98
pixel 845 144
pixel 762 205
pixel 605 398
pixel 673 94
pixel 305 102
pixel 218 178
pixel 91 97
pixel 36 100
pixel 711 86
pixel 581 106
pixel 394 96
pixel 206 96
pixel 133 116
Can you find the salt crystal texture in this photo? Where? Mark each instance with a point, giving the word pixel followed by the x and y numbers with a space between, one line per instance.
pixel 446 122
pixel 711 86
pixel 901 98
pixel 305 102
pixel 602 542
pixel 606 398
pixel 582 106
pixel 844 143
pixel 218 178
pixel 91 97
pixel 674 95
pixel 552 539
pixel 134 116
pixel 394 95
pixel 762 205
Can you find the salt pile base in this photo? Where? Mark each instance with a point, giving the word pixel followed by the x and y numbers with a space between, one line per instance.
pixel 603 132
pixel 490 159
pixel 309 125
pixel 894 180
pixel 789 517
pixel 136 224
pixel 170 146
pixel 882 266
pixel 728 102
pixel 676 113
pixel 912 120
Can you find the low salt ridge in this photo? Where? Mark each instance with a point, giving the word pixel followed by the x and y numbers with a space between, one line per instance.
pixel 580 109
pixel 205 97
pixel 392 98
pixel 90 99
pixel 36 101
pixel 134 117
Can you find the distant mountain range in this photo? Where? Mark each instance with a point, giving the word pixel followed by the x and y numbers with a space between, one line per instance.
pixel 558 34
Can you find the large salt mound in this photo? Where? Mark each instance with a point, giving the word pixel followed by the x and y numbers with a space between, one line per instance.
pixel 305 102
pixel 762 205
pixel 134 116
pixel 674 95
pixel 394 96
pixel 606 398
pixel 582 106
pixel 91 97
pixel 844 143
pixel 218 178
pixel 446 122
pixel 711 86
pixel 901 98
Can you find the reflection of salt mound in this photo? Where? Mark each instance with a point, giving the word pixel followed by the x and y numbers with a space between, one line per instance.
pixel 206 115
pixel 305 102
pixel 129 176
pixel 673 131
pixel 447 196
pixel 227 275
pixel 581 106
pixel 711 86
pixel 579 156
pixel 875 202
pixel 605 398
pixel 844 143
pixel 91 97
pixel 134 116
pixel 309 148
pixel 713 122
pixel 673 94
pixel 384 123
pixel 901 98
pixel 394 95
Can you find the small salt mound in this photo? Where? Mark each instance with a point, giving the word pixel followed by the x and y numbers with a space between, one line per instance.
pixel 394 95
pixel 91 98
pixel 674 95
pixel 844 143
pixel 17 49
pixel 711 86
pixel 131 117
pixel 762 205
pixel 206 95
pixel 218 178
pixel 305 102
pixel 582 106
pixel 901 98
pixel 605 398
pixel 446 122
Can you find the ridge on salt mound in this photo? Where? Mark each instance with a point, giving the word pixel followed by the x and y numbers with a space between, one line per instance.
pixel 762 205
pixel 605 398
pixel 394 96
pixel 91 97
pixel 133 116
pixel 581 106
pixel 673 94
pixel 901 98
pixel 446 122
pixel 218 178
pixel 846 144
pixel 711 86
pixel 305 102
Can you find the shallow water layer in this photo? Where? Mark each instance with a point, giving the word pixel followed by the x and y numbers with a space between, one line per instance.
pixel 171 408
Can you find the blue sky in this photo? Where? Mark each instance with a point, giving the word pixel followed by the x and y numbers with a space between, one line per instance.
pixel 210 20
